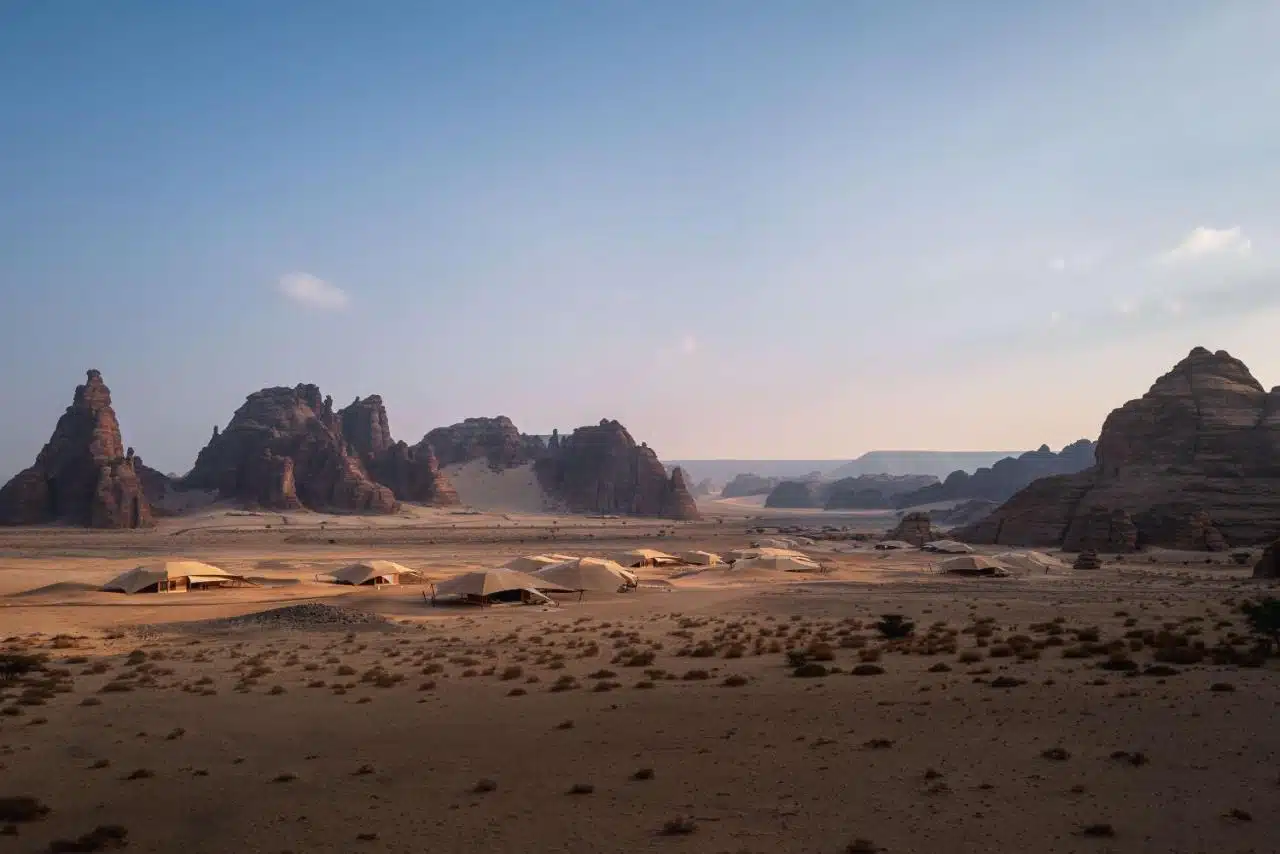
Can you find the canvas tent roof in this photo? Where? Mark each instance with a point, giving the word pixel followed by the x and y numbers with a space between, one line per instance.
pixel 785 563
pixel 762 551
pixel 588 573
pixel 487 582
pixel 1030 561
pixel 949 547
pixel 151 574
pixel 893 544
pixel 700 558
pixel 533 563
pixel 365 571
pixel 636 557
pixel 972 565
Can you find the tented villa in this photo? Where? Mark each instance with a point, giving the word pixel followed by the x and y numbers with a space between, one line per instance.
pixel 174 576
pixel 589 574
pixel 494 586
pixel 372 573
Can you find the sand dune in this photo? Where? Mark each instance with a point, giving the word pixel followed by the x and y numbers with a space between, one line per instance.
pixel 513 490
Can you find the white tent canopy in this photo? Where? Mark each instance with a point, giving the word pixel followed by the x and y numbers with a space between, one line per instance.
pixel 785 563
pixel 699 558
pixel 164 576
pixel 588 573
pixel 886 545
pixel 763 551
pixel 973 565
pixel 372 572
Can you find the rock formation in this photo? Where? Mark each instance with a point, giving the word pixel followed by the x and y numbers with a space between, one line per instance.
pixel 285 449
pixel 744 485
pixel 873 491
pixel 1195 462
pixel 1005 477
pixel 915 528
pixel 84 475
pixel 1087 559
pixel 494 439
pixel 601 469
pixel 795 494
pixel 1269 565
pixel 1101 530
pixel 411 473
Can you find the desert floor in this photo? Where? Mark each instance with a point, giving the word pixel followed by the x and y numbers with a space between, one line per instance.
pixel 667 719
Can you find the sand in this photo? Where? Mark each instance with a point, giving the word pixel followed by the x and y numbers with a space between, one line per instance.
pixel 211 722
pixel 513 490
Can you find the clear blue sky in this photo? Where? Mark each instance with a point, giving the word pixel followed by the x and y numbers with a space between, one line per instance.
pixel 746 229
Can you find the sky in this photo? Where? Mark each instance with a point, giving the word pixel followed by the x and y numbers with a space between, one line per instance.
pixel 799 229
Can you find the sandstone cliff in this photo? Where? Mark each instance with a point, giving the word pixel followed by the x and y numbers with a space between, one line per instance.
pixel 284 449
pixel 914 528
pixel 411 473
pixel 83 475
pixel 1193 463
pixel 494 439
pixel 601 469
pixel 1005 477
pixel 743 485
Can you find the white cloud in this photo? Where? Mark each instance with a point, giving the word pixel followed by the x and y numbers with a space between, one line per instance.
pixel 309 290
pixel 1204 242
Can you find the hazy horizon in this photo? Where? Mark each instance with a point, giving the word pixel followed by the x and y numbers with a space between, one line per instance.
pixel 746 231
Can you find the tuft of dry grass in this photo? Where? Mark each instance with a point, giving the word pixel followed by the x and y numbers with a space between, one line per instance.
pixel 678 826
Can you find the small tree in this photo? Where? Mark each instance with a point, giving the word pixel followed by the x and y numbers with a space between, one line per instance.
pixel 894 626
pixel 1264 620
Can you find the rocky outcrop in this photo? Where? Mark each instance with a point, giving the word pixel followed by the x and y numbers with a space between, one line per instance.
pixel 915 528
pixel 1269 565
pixel 494 439
pixel 1194 463
pixel 1005 477
pixel 964 513
pixel 1101 530
pixel 744 485
pixel 873 491
pixel 285 449
pixel 83 475
pixel 795 494
pixel 601 469
pixel 412 473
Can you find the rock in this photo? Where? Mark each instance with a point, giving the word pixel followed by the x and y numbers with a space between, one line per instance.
pixel 494 439
pixel 284 449
pixel 795 494
pixel 915 528
pixel 1101 529
pixel 83 475
pixel 411 473
pixel 601 469
pixel 1087 560
pixel 964 513
pixel 1195 462
pixel 1006 476
pixel 873 491
pixel 745 485
pixel 1269 565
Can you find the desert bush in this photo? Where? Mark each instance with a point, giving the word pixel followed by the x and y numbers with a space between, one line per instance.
pixel 894 626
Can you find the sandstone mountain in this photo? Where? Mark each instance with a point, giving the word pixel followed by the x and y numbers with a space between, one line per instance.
pixel 494 439
pixel 84 475
pixel 864 492
pixel 285 449
pixel 412 473
pixel 601 469
pixel 1005 477
pixel 795 494
pixel 1194 463
pixel 747 484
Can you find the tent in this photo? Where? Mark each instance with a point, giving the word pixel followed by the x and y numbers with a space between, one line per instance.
pixel 762 551
pixel 1029 562
pixel 172 575
pixel 698 558
pixel 496 585
pixel 785 563
pixel 373 572
pixel 948 547
pixel 588 573
pixel 533 563
pixel 887 545
pixel 645 557
pixel 775 543
pixel 973 565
